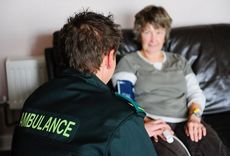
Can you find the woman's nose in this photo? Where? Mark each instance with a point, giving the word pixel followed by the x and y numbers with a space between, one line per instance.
pixel 152 36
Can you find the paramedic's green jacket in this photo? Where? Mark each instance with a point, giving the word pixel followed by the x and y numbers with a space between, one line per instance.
pixel 76 114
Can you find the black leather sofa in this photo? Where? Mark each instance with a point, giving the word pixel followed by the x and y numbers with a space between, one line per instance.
pixel 207 47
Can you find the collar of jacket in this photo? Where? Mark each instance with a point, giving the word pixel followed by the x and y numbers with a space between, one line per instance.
pixel 87 77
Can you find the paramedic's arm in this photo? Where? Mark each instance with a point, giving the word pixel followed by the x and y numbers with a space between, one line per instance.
pixel 131 139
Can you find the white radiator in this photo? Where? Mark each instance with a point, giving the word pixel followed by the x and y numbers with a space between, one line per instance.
pixel 24 75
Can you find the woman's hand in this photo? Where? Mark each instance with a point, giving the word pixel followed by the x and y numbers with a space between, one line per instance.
pixel 155 128
pixel 194 128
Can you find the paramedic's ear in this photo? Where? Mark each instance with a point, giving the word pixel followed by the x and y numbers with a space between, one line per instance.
pixel 111 59
pixel 107 67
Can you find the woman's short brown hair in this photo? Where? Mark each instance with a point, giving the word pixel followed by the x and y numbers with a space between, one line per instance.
pixel 155 15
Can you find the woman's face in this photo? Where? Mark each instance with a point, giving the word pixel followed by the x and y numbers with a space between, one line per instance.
pixel 152 39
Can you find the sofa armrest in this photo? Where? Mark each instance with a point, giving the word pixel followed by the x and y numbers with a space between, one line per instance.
pixel 220 122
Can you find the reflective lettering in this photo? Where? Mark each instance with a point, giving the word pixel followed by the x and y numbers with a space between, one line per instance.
pixel 47 124
pixel 68 128
pixel 58 129
pixel 54 125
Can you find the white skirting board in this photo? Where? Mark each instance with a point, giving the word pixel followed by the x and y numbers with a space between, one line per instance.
pixel 24 75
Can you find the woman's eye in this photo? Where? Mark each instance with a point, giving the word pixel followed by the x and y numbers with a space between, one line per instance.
pixel 146 32
pixel 159 32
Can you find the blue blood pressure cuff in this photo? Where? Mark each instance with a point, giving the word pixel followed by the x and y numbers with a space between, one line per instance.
pixel 125 91
pixel 125 88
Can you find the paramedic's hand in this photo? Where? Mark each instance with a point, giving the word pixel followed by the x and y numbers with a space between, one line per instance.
pixel 155 128
pixel 194 128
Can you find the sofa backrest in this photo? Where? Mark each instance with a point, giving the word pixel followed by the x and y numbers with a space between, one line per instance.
pixel 206 47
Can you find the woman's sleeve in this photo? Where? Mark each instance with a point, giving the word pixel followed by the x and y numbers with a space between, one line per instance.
pixel 125 70
pixel 194 92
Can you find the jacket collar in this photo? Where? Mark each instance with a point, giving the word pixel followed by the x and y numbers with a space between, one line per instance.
pixel 89 78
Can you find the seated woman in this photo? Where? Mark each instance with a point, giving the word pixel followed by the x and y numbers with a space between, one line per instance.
pixel 167 89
